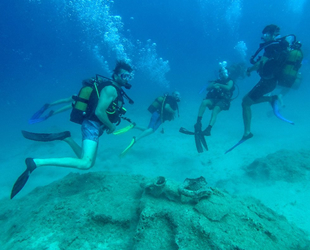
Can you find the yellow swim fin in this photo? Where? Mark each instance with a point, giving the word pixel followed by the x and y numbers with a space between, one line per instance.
pixel 124 130
pixel 133 141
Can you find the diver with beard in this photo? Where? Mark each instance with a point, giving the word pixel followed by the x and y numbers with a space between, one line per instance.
pixel 98 108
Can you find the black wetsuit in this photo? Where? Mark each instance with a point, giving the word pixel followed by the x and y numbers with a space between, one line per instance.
pixel 270 71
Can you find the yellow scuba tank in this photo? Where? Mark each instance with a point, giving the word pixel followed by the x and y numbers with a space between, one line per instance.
pixel 291 67
pixel 84 95
pixel 156 105
pixel 80 105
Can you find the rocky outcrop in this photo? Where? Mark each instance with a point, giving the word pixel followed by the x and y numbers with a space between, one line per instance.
pixel 284 165
pixel 102 211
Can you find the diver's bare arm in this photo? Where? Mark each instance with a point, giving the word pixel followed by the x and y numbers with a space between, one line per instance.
pixel 107 96
pixel 169 109
pixel 211 85
pixel 257 65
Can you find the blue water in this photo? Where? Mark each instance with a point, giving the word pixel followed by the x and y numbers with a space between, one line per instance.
pixel 47 44
pixel 48 47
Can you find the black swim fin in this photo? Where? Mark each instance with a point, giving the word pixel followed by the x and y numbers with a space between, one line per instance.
pixel 23 178
pixel 45 136
pixel 20 183
pixel 198 143
pixel 203 141
pixel 199 139
pixel 185 131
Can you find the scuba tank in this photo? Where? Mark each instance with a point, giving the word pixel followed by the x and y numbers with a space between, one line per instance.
pixel 157 104
pixel 80 108
pixel 291 66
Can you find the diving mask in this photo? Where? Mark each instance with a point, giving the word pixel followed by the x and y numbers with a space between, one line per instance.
pixel 127 76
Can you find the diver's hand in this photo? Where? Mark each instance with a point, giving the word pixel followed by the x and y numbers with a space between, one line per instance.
pixel 198 127
pixel 217 86
pixel 174 115
pixel 248 72
pixel 111 130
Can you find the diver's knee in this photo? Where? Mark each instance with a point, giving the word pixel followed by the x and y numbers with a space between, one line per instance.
pixel 207 103
pixel 217 109
pixel 87 164
pixel 246 101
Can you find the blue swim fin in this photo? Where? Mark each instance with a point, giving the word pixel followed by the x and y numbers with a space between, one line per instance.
pixel 37 116
pixel 40 111
pixel 275 107
pixel 243 139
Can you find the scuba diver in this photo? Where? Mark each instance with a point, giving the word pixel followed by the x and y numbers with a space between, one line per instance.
pixel 164 108
pixel 98 109
pixel 218 98
pixel 275 66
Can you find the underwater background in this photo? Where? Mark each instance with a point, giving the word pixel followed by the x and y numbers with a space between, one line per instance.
pixel 48 47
